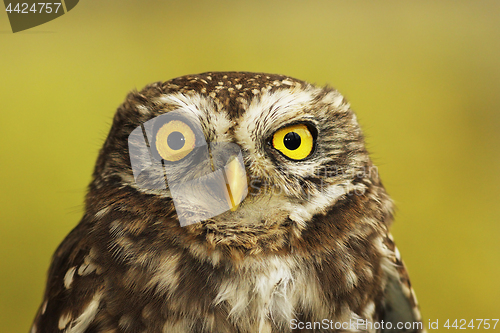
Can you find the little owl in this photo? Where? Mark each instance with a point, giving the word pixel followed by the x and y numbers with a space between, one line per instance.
pixel 231 202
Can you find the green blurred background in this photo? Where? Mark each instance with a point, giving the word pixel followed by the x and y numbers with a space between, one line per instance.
pixel 422 76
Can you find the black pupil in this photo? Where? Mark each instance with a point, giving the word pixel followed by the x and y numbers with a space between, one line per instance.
pixel 176 140
pixel 292 141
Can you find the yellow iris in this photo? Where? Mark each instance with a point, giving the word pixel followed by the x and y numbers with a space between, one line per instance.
pixel 295 141
pixel 175 140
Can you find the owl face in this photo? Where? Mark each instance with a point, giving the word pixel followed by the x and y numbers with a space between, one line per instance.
pixel 237 151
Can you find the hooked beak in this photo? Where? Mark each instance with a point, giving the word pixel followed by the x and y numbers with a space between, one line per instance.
pixel 236 183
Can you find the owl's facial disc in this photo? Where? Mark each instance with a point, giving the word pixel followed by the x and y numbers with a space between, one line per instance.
pixel 257 160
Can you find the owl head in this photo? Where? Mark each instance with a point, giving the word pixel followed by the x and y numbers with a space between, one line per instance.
pixel 230 159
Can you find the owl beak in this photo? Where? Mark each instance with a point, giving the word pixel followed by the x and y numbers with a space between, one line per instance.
pixel 236 183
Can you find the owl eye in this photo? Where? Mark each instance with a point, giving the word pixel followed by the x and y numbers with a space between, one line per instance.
pixel 295 141
pixel 174 140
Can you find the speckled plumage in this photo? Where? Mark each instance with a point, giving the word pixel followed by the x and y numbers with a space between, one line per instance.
pixel 310 241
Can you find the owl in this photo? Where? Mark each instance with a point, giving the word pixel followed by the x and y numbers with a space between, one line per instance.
pixel 232 202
